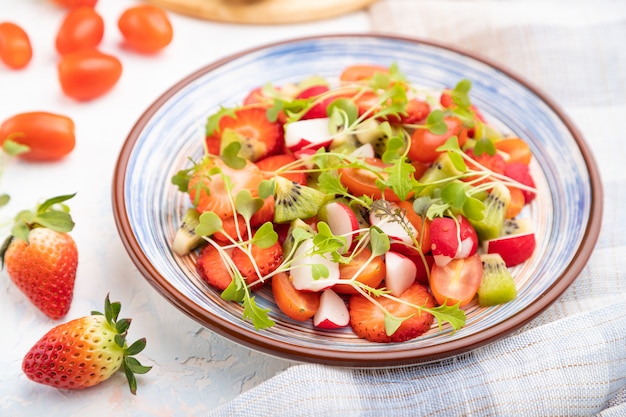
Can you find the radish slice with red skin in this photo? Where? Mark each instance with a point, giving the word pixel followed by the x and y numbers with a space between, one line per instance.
pixel 302 269
pixel 332 312
pixel 391 227
pixel 401 273
pixel 310 133
pixel 342 222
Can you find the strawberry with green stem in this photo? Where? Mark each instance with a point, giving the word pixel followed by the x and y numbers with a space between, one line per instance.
pixel 86 351
pixel 41 258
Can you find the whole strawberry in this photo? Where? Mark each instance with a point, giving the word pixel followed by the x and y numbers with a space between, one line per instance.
pixel 85 351
pixel 41 258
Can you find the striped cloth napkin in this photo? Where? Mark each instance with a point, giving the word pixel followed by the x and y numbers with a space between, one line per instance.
pixel 571 360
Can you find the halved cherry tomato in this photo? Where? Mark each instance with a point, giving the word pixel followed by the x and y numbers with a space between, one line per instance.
pixel 516 204
pixel 356 73
pixel 49 136
pixel 372 275
pixel 360 181
pixel 75 3
pixel 88 74
pixel 424 144
pixel 298 305
pixel 146 28
pixel 15 48
pixel 494 163
pixel 82 28
pixel 456 282
pixel 516 148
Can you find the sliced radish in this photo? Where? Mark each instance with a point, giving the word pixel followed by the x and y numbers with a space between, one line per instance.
pixel 445 235
pixel 391 226
pixel 400 273
pixel 332 312
pixel 342 222
pixel 516 247
pixel 302 269
pixel 364 151
pixel 319 109
pixel 310 133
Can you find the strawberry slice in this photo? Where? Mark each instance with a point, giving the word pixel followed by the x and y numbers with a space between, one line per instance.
pixel 266 259
pixel 212 269
pixel 258 136
pixel 209 192
pixel 273 163
pixel 368 321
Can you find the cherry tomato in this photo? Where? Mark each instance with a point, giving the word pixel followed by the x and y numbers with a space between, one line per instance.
pixel 88 74
pixel 517 203
pixel 516 149
pixel 146 28
pixel 363 182
pixel 456 282
pixel 298 305
pixel 75 3
pixel 15 48
pixel 82 28
pixel 356 73
pixel 372 275
pixel 49 136
pixel 424 144
pixel 422 227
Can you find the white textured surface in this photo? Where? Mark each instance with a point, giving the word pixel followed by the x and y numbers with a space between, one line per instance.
pixel 194 369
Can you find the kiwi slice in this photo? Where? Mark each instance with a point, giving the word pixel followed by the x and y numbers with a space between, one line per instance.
pixel 295 201
pixel 496 203
pixel 442 168
pixel 497 285
pixel 289 240
pixel 185 239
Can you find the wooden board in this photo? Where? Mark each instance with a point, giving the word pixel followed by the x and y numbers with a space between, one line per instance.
pixel 262 11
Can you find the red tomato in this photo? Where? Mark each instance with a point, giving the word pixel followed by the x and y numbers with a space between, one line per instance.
pixel 423 228
pixel 298 305
pixel 456 282
pixel 88 74
pixel 355 73
pixel 75 3
pixel 516 149
pixel 49 136
pixel 146 28
pixel 363 182
pixel 424 144
pixel 82 28
pixel 15 47
pixel 372 275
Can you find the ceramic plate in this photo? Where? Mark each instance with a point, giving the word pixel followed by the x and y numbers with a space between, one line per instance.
pixel 566 213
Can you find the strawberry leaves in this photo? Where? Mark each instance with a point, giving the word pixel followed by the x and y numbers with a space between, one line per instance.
pixel 130 365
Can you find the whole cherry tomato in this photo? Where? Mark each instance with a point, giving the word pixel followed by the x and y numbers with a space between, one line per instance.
pixel 82 28
pixel 75 3
pixel 146 28
pixel 88 74
pixel 49 136
pixel 15 47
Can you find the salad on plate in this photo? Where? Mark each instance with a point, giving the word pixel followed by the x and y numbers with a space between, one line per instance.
pixel 365 202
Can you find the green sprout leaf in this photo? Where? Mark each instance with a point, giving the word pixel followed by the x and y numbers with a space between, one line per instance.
pixel 392 323
pixel 435 122
pixel 13 148
pixel 319 271
pixel 230 155
pixel 265 236
pixel 257 315
pixel 246 205
pixel 379 241
pixel 209 224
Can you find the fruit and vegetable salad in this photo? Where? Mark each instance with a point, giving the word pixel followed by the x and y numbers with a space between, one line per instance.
pixel 365 202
